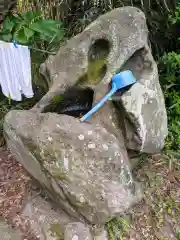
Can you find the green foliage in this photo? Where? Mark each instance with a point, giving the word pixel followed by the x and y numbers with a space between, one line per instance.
pixel 117 228
pixel 178 235
pixel 78 14
pixel 169 67
pixel 156 12
pixel 175 18
pixel 170 81
pixel 30 28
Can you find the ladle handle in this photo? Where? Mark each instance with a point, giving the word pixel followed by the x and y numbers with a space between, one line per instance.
pixel 99 104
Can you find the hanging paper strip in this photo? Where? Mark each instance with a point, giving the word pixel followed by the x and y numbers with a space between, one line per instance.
pixel 15 71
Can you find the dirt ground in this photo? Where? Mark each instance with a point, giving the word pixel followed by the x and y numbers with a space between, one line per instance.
pixel 156 217
pixel 15 184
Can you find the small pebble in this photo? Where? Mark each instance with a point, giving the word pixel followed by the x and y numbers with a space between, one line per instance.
pixel 91 145
pixel 117 154
pixel 81 199
pixel 90 132
pixel 105 146
pixel 81 137
pixel 75 237
pixel 66 163
pixel 50 139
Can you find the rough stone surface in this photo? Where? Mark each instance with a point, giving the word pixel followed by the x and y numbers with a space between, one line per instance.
pixel 77 231
pixel 50 223
pixel 46 222
pixel 7 233
pixel 102 236
pixel 143 102
pixel 82 165
pixel 126 31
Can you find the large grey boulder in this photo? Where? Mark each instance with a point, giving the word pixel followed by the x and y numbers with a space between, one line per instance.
pixel 122 36
pixel 145 120
pixel 85 166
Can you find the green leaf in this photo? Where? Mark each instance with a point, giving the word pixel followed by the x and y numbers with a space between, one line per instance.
pixel 8 24
pixel 16 19
pixel 28 33
pixel 52 36
pixel 6 37
pixel 31 16
pixel 21 37
pixel 46 26
pixel 4 32
pixel 59 36
pixel 20 25
pixel 44 36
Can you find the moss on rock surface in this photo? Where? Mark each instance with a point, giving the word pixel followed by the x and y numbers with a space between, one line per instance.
pixel 56 231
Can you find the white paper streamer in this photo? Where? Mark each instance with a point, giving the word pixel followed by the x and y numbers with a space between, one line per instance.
pixel 15 71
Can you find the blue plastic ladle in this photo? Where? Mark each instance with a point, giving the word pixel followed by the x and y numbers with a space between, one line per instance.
pixel 119 81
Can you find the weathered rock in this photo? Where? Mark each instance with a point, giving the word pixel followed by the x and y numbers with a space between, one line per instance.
pixel 101 236
pixel 46 222
pixel 77 231
pixel 144 101
pixel 121 37
pixel 7 233
pixel 82 165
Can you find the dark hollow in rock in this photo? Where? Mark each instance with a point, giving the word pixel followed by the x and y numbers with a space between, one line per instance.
pixel 78 99
pixel 97 62
pixel 75 102
pixel 99 50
